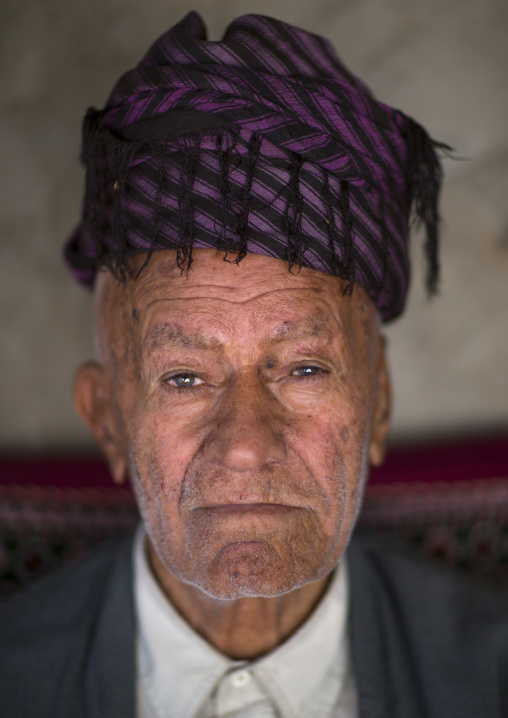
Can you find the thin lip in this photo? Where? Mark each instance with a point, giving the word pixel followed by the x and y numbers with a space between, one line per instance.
pixel 257 505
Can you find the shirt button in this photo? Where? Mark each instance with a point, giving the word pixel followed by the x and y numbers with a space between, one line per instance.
pixel 240 679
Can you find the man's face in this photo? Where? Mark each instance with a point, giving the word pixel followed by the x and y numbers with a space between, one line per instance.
pixel 244 400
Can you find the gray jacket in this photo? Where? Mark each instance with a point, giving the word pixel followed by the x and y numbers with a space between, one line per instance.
pixel 425 643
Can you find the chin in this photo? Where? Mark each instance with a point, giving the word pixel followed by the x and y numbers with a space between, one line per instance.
pixel 251 570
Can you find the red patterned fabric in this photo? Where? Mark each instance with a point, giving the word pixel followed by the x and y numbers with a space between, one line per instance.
pixel 53 510
pixel 483 458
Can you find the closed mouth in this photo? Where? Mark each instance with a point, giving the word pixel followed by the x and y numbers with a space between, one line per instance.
pixel 247 508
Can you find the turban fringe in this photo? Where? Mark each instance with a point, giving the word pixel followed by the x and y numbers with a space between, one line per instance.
pixel 303 165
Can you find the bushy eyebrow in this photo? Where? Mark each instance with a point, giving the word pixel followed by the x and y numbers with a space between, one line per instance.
pixel 317 325
pixel 170 336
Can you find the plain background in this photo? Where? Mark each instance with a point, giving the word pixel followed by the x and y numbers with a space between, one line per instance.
pixel 444 62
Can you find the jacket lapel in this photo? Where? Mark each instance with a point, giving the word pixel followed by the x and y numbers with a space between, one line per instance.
pixel 110 674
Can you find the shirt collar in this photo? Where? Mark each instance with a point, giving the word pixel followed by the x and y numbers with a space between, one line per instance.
pixel 180 669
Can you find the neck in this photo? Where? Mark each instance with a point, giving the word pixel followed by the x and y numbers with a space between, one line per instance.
pixel 244 628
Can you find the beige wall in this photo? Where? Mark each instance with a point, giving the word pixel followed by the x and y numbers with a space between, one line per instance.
pixel 443 61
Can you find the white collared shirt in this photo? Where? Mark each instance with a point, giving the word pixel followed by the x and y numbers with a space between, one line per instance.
pixel 180 675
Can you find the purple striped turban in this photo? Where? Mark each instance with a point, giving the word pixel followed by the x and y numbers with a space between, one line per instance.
pixel 263 142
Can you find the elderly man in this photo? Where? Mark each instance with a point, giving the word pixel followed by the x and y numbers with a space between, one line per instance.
pixel 245 231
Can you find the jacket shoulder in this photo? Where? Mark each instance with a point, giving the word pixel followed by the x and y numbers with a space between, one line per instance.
pixel 454 594
pixel 437 634
pixel 50 631
pixel 60 598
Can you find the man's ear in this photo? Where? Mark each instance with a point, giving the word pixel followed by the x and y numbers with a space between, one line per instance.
pixel 95 406
pixel 382 409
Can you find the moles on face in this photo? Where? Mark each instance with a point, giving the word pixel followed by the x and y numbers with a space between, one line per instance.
pixel 244 402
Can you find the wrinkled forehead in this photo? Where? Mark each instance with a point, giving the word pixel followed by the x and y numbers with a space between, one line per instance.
pixel 217 300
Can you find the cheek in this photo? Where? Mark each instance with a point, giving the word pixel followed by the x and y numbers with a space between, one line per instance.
pixel 341 427
pixel 158 460
pixel 333 443
pixel 159 455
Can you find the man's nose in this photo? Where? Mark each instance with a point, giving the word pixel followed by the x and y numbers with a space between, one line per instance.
pixel 244 434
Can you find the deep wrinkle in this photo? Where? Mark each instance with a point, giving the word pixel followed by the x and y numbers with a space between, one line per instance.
pixel 244 437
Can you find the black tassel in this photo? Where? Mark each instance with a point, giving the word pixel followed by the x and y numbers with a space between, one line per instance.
pixel 424 185
pixel 158 150
pixel 95 159
pixel 226 143
pixel 293 215
pixel 122 155
pixel 186 210
pixel 118 169
pixel 242 222
pixel 333 234
pixel 107 160
pixel 347 231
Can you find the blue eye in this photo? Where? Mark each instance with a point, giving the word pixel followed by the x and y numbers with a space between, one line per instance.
pixel 183 381
pixel 308 371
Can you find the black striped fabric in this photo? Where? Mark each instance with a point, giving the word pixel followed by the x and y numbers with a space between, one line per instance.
pixel 263 142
